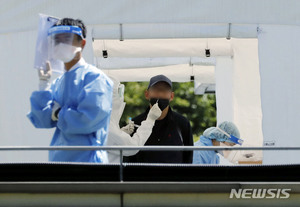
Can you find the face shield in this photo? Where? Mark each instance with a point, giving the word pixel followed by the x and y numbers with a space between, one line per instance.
pixel 118 100
pixel 121 89
pixel 118 104
pixel 231 138
pixel 62 42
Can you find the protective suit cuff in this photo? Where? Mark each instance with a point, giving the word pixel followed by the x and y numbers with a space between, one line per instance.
pixel 150 122
pixel 44 85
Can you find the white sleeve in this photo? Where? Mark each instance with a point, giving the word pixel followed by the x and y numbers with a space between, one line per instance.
pixel 117 137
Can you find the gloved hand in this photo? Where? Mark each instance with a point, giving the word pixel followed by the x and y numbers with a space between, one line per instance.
pixel 129 128
pixel 45 76
pixel 55 109
pixel 154 112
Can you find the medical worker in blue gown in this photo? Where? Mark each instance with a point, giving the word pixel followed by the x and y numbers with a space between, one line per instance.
pixel 78 104
pixel 226 132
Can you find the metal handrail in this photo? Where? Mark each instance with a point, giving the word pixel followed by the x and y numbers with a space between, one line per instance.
pixel 143 148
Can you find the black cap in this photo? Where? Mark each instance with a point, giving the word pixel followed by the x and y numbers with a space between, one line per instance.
pixel 159 78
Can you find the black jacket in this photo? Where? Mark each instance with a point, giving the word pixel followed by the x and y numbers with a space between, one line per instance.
pixel 174 130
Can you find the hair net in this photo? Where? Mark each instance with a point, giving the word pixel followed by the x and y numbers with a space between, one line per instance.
pixel 215 133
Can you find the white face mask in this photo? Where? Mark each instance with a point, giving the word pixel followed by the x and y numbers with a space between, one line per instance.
pixel 65 52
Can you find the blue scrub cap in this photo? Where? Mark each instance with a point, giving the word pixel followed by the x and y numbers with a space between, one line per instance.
pixel 65 29
pixel 225 132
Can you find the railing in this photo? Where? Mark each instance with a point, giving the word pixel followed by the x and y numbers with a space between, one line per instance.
pixel 143 148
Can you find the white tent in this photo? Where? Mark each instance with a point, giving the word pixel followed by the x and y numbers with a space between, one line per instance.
pixel 255 73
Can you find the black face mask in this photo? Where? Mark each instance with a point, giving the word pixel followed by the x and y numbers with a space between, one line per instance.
pixel 162 103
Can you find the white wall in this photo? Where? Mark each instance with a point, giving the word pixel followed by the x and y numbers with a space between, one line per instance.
pixel 279 49
pixel 17 80
pixel 246 86
pixel 238 94
pixel 224 89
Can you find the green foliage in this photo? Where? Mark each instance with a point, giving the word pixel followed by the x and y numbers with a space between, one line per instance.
pixel 200 110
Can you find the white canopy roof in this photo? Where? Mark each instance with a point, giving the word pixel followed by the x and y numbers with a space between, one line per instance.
pixel 16 16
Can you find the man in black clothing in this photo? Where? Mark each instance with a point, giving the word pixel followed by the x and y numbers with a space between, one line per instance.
pixel 170 129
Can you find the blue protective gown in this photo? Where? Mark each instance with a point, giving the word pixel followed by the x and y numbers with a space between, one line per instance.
pixel 85 96
pixel 205 157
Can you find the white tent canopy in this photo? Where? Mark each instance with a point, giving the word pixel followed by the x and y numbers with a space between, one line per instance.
pixel 143 59
pixel 255 78
pixel 17 16
pixel 130 63
pixel 159 48
pixel 169 30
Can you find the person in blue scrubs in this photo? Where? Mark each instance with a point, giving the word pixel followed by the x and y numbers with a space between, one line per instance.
pixel 78 104
pixel 226 132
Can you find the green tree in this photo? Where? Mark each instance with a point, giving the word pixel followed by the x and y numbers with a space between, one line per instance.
pixel 200 110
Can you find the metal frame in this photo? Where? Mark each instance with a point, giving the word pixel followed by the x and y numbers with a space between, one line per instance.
pixel 144 148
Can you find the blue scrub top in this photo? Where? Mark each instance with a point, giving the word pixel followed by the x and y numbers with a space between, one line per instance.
pixel 205 157
pixel 85 96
